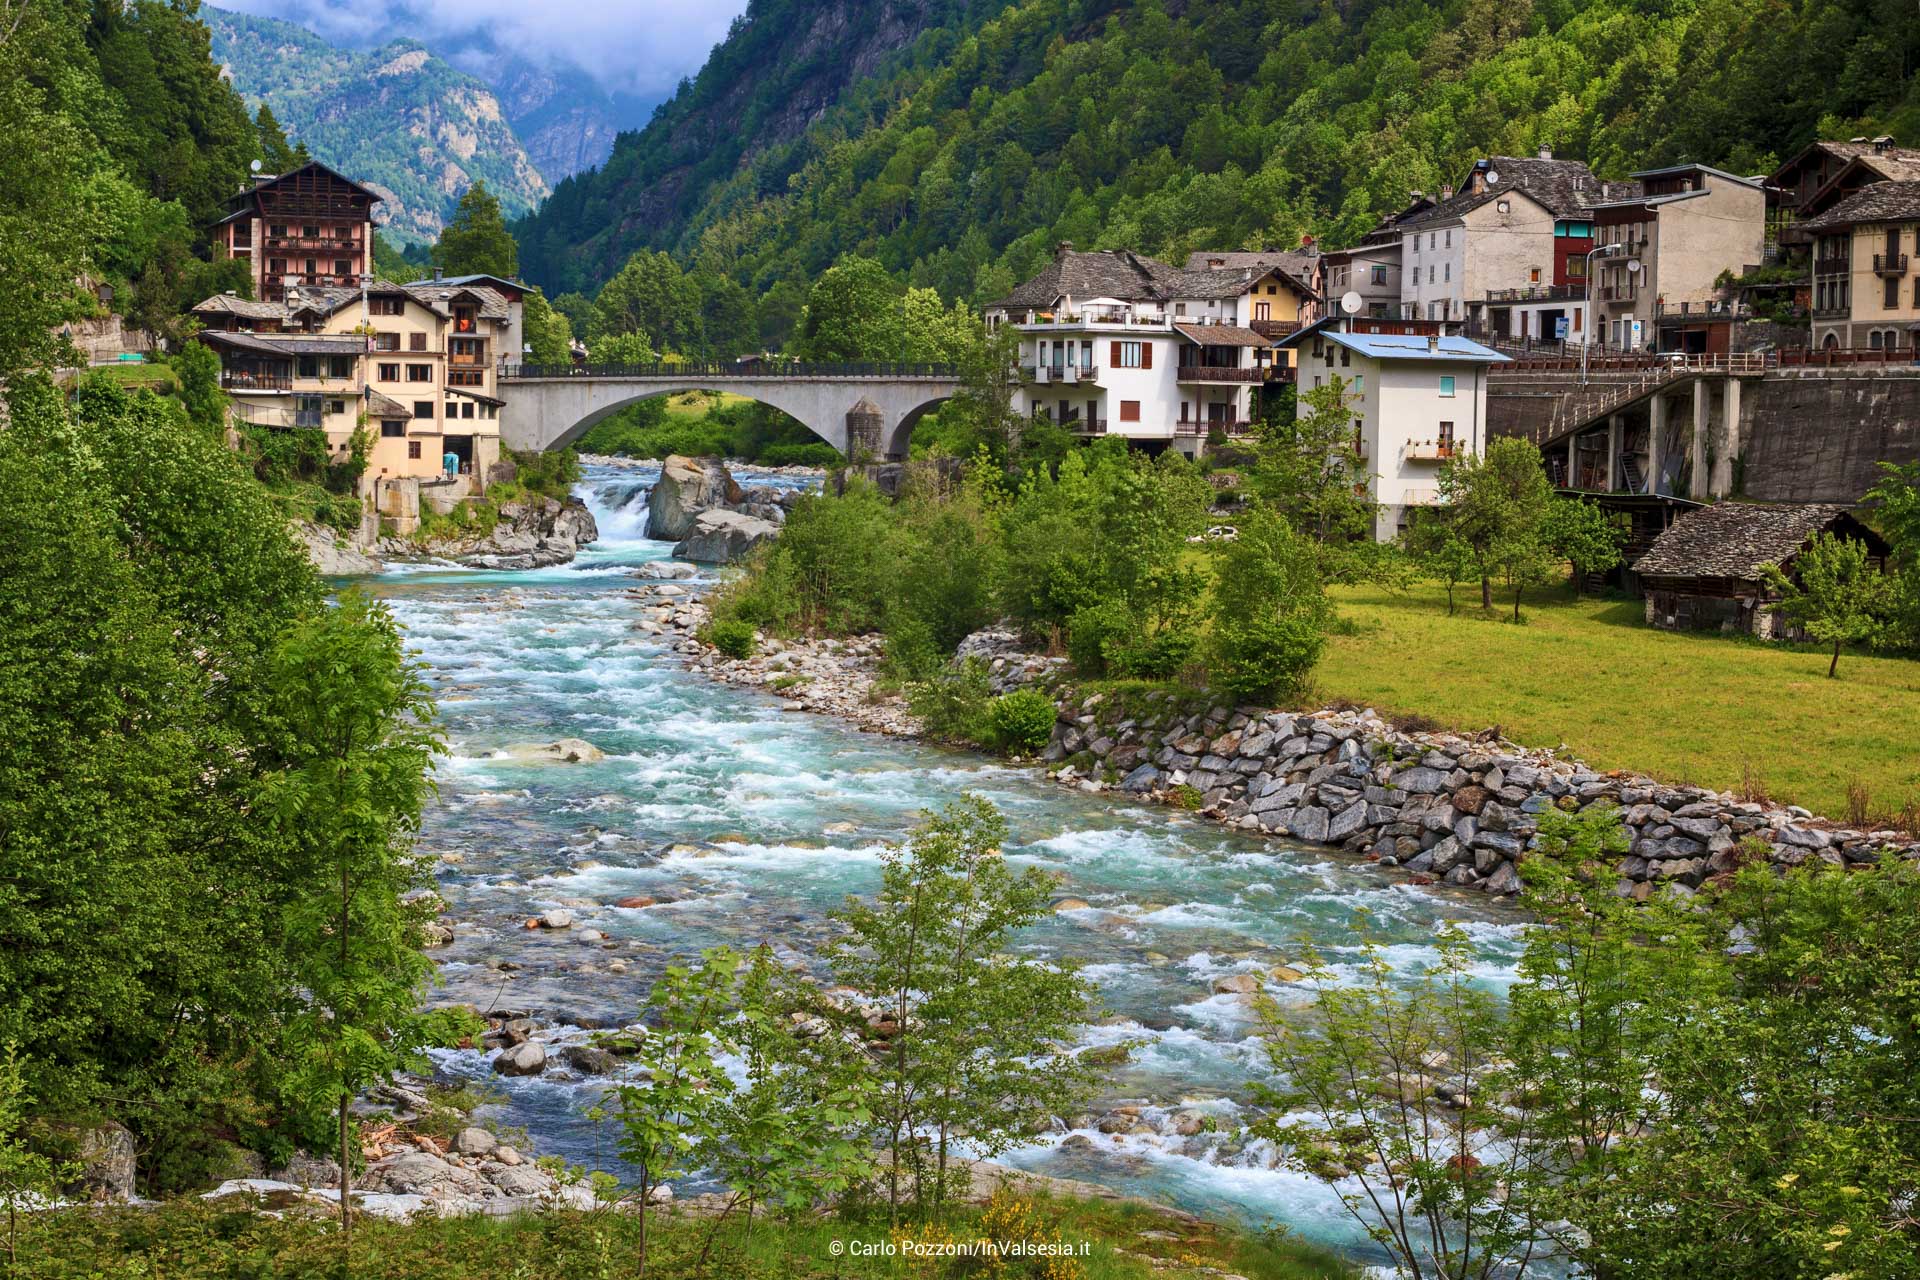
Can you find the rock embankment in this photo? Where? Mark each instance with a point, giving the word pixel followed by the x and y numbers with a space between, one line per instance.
pixel 1442 806
pixel 697 504
pixel 530 534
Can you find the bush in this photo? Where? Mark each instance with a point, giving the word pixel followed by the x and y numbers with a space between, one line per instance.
pixel 340 512
pixel 1159 654
pixel 1270 611
pixel 1022 720
pixel 817 454
pixel 732 636
pixel 551 474
pixel 954 703
pixel 1260 660
pixel 1094 633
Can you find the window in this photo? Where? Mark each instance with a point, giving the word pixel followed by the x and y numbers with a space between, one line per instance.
pixel 276 229
pixel 339 366
pixel 1577 267
pixel 1446 271
pixel 276 266
pixel 1449 237
pixel 386 342
pixel 413 448
pixel 416 342
pixel 1379 275
pixel 392 430
pixel 1432 238
pixel 1446 384
pixel 342 267
pixel 466 409
pixel 311 233
pixel 1430 270
pixel 422 409
pixel 466 378
pixel 1873 340
pixel 336 406
pixel 1359 384
pixel 388 306
pixel 1533 276
pixel 1446 437
pixel 389 373
pixel 1132 355
pixel 313 266
pixel 1129 411
pixel 1892 295
pixel 419 373
pixel 1179 308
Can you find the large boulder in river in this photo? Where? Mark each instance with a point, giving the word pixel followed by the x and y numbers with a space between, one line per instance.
pixel 687 487
pixel 723 537
pixel 526 1059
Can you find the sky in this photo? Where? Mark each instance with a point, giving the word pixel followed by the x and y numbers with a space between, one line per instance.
pixel 633 47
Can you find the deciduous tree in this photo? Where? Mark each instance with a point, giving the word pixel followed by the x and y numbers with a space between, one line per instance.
pixel 1835 593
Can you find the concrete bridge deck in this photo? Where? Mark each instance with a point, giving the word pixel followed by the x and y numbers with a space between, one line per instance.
pixel 858 408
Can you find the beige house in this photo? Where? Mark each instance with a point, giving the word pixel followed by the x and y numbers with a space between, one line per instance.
pixel 1684 227
pixel 415 364
pixel 1866 291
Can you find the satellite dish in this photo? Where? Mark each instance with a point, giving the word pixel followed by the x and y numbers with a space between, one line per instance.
pixel 1493 177
pixel 1351 302
pixel 1633 265
pixel 255 166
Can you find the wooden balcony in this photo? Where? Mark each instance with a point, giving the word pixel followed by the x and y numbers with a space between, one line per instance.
pixel 1274 328
pixel 1208 373
pixel 246 380
pixel 1429 450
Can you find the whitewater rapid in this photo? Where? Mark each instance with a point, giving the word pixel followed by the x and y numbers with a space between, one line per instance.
pixel 718 799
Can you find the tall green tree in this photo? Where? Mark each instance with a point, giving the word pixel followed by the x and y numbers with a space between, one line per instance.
pixel 475 240
pixel 1308 469
pixel 1894 501
pixel 1583 535
pixel 549 334
pixel 650 296
pixel 1835 593
pixel 355 718
pixel 276 153
pixel 1270 612
pixel 1497 503
pixel 853 313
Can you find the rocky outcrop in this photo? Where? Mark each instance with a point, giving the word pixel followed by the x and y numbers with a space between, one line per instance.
pixel 687 487
pixel 724 537
pixel 107 1168
pixel 530 534
pixel 334 554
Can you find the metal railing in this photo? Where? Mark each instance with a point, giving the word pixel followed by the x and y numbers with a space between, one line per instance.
pixel 1712 309
pixel 1236 427
pixel 767 369
pixel 1539 293
pixel 1087 426
pixel 1274 328
pixel 1889 264
pixel 241 381
pixel 1210 373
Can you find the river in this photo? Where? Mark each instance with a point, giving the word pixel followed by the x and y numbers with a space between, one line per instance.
pixel 718 799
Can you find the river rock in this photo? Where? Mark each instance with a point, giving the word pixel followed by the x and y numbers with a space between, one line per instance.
pixel 334 554
pixel 665 570
pixel 590 1061
pixel 724 537
pixel 686 488
pixel 107 1161
pixel 474 1142
pixel 526 1059
pixel 1236 984
pixel 562 751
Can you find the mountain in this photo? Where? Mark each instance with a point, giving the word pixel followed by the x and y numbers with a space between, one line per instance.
pixel 408 124
pixel 566 121
pixel 959 143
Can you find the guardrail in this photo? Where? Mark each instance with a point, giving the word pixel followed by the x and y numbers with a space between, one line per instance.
pixel 768 369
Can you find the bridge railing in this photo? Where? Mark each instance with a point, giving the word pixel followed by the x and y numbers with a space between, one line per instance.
pixel 694 370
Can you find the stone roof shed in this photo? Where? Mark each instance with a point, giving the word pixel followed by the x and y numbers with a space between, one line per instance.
pixel 1705 573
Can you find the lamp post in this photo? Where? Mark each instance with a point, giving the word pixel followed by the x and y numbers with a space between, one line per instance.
pixel 1601 251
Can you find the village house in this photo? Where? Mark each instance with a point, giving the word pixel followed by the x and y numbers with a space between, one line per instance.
pixel 1664 250
pixel 1866 292
pixel 1705 572
pixel 1505 255
pixel 1418 399
pixel 308 229
pixel 1822 175
pixel 1371 268
pixel 1115 343
pixel 415 364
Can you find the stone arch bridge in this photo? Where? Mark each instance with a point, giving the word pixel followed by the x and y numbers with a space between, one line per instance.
pixel 857 408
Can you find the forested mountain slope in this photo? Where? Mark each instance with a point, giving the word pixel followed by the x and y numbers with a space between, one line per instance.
pixel 1164 126
pixel 397 118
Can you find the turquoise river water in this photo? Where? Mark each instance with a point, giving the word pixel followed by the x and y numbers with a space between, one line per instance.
pixel 1174 901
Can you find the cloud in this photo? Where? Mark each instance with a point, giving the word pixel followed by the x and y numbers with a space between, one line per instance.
pixel 637 47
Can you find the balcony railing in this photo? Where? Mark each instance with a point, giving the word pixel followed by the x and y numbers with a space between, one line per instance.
pixel 1208 373
pixel 1430 450
pixel 240 380
pixel 474 360
pixel 1712 309
pixel 1234 427
pixel 1617 293
pixel 316 244
pixel 1540 293
pixel 1832 266
pixel 1889 264
pixel 1060 373
pixel 1087 426
pixel 1274 328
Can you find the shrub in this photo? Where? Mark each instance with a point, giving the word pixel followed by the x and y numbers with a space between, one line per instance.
pixel 1259 660
pixel 1270 611
pixel 819 454
pixel 1094 632
pixel 1158 654
pixel 732 636
pixel 339 512
pixel 954 703
pixel 1022 720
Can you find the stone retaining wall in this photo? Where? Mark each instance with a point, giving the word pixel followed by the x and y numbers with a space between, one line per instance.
pixel 1447 808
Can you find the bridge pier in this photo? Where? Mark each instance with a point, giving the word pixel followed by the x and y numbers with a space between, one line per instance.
pixel 1616 430
pixel 1657 444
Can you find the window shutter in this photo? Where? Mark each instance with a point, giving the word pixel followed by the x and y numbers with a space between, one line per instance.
pixel 1146 355
pixel 1115 361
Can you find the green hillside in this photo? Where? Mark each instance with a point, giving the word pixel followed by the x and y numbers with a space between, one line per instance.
pixel 396 118
pixel 999 132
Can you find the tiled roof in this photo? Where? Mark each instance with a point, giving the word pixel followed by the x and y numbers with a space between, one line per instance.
pixel 1563 187
pixel 1733 539
pixel 1298 263
pixel 289 343
pixel 1221 335
pixel 1106 273
pixel 1880 202
pixel 437 297
pixel 234 305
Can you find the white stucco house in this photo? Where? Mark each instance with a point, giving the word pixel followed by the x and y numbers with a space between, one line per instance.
pixel 1419 399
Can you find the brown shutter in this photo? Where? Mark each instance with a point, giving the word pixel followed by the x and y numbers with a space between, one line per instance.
pixel 1114 363
pixel 1146 355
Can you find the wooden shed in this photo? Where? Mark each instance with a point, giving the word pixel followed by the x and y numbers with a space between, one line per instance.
pixel 1704 572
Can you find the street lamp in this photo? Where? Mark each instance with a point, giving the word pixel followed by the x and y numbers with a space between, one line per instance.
pixel 1600 251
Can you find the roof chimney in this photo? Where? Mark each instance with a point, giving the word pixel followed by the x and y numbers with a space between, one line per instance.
pixel 1062 249
pixel 1883 143
pixel 1433 344
pixel 1415 196
pixel 436 273
pixel 1546 152
pixel 1446 191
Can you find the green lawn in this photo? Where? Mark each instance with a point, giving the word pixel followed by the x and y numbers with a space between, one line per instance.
pixel 1690 708
pixel 696 404
pixel 140 376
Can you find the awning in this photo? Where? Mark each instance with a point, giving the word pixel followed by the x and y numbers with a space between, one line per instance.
pixel 1221 335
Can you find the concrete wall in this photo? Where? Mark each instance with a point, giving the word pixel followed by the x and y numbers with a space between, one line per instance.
pixel 1504 249
pixel 1439 252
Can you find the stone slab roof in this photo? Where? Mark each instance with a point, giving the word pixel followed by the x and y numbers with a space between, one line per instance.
pixel 1881 202
pixel 234 305
pixel 1107 273
pixel 1733 539
pixel 1220 335
pixel 1562 187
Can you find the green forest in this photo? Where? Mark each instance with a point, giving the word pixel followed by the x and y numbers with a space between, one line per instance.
pixel 1232 123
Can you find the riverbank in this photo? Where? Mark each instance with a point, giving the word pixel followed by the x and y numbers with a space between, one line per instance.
pixel 1441 807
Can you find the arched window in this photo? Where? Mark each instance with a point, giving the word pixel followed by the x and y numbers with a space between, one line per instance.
pixel 1873 340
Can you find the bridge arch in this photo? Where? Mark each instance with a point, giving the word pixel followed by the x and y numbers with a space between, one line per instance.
pixel 549 408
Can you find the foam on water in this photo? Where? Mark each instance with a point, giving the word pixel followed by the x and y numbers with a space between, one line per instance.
pixel 748 791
